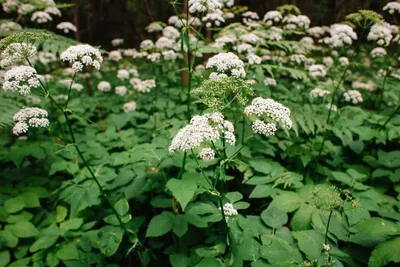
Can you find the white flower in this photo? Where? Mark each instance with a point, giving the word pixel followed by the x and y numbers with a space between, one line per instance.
pixel 164 42
pixel 274 34
pixel 298 58
pixel 41 17
pixel 369 86
pixel 123 74
pixel 293 22
pixel 117 42
pixel 229 210
pixel 154 57
pixel 244 48
pixel 270 110
pixel 331 107
pixel 261 127
pixel 269 82
pixel 249 38
pixel 86 55
pixel 21 79
pixel 29 117
pixel 25 8
pixel 10 26
pixel 204 5
pixel 53 11
pixel 171 33
pixel 254 59
pixel 272 17
pixel 155 26
pixel 317 31
pixel 142 86
pixel 66 27
pixel 381 33
pixel 341 34
pixel 10 5
pixel 378 52
pixel 249 17
pixel 328 61
pixel 130 106
pixel 317 92
pixel 146 44
pixel 121 90
pixel 326 247
pixel 307 40
pixel 317 70
pixel 392 7
pixel 104 86
pixel 207 154
pixel 225 39
pixel 353 96
pixel 115 55
pixel 344 61
pixel 216 17
pixel 169 55
pixel 15 53
pixel 227 62
pixel 207 128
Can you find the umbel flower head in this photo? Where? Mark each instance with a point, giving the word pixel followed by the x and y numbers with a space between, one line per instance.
pixel 203 130
pixel 66 27
pixel 268 113
pixel 227 63
pixel 29 117
pixel 81 56
pixel 204 5
pixel 341 34
pixel 16 52
pixel 21 79
pixel 381 33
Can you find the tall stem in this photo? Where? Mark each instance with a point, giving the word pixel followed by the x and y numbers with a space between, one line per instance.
pixel 391 116
pixel 327 226
pixel 383 85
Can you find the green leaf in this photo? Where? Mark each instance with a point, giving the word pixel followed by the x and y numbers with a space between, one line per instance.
pixel 386 252
pixel 22 216
pixel 4 258
pixel 14 205
pixel 8 237
pixel 67 251
pixel 83 198
pixel 373 231
pixel 110 240
pixel 310 243
pixel 234 196
pixel 180 225
pixel 277 250
pixel 183 190
pixel 209 262
pixel 160 224
pixel 43 243
pixel 61 213
pixel 342 177
pixel 122 207
pixel 72 224
pixel 20 263
pixel 64 166
pixel 261 191
pixel 51 259
pixel 274 217
pixel 179 260
pixel 31 200
pixel 287 201
pixel 302 218
pixel 249 249
pixel 24 229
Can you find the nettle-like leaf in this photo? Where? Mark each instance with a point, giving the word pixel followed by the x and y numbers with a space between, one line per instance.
pixel 385 252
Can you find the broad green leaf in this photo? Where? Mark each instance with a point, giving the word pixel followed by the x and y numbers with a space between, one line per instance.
pixel 22 216
pixel 160 224
pixel 72 224
pixel 4 258
pixel 64 166
pixel 24 229
pixel 9 238
pixel 67 251
pixel 61 213
pixel 274 217
pixel 234 196
pixel 386 252
pixel 122 207
pixel 261 191
pixel 277 250
pixel 343 177
pixel 43 243
pixel 14 205
pixel 110 239
pixel 31 200
pixel 301 219
pixel 51 259
pixel 180 225
pixel 20 263
pixel 373 231
pixel 183 190
pixel 249 249
pixel 179 260
pixel 83 198
pixel 310 243
pixel 211 252
pixel 287 201
pixel 209 262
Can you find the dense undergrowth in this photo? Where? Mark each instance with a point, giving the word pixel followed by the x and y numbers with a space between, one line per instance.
pixel 227 140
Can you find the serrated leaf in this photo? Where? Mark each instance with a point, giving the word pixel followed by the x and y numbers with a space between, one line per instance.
pixel 110 240
pixel 386 252
pixel 274 217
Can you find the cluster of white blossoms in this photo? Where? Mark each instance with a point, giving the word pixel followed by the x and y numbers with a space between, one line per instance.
pixel 129 106
pixel 121 90
pixel 16 53
pixel 164 42
pixel 123 74
pixel 253 59
pixel 341 34
pixel 204 5
pixel 81 56
pixel 227 62
pixel 170 55
pixel 229 210
pixel 244 48
pixel 117 42
pixel 155 26
pixel 249 18
pixel 21 79
pixel 318 31
pixel 25 8
pixel 207 154
pixel 142 86
pixel 378 52
pixel 270 82
pixel 221 41
pixel 317 70
pixel 344 61
pixel 293 22
pixel 178 23
pixel 328 61
pixel 10 26
pixel 272 17
pixel 29 117
pixel 53 10
pixel 274 34
pixel 317 92
pixel 270 110
pixel 66 27
pixel 249 38
pixel 207 128
pixel 146 44
pixel 41 17
pixel 298 58
pixel 381 33
pixel 214 18
pixel 171 33
pixel 369 86
pixel 104 86
pixel 307 40
pixel 353 96
pixel 115 55
pixel 392 7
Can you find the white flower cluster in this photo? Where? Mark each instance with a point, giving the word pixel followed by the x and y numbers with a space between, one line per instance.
pixel 117 42
pixel 307 40
pixel 298 58
pixel 353 96
pixel 229 210
pixel 341 34
pixel 10 5
pixel 227 62
pixel 268 109
pixel 381 33
pixel 326 247
pixel 344 61
pixel 220 42
pixel 25 8
pixel 53 10
pixel 253 59
pixel 249 38
pixel 115 55
pixel 369 86
pixel 317 70
pixel 216 17
pixel 317 92
pixel 318 31
pixel 249 18
pixel 272 17
pixel 66 27
pixel 274 34
pixel 155 26
pixel 178 23
pixel 164 42
pixel 142 86
pixel 41 17
pixel 392 7
pixel 293 22
pixel 171 33
pixel 130 106
pixel 204 5
pixel 123 74
pixel 170 55
pixel 121 90
pixel 21 79
pixel 10 26
pixel 328 61
pixel 378 52
pixel 207 128
pixel 29 117
pixel 15 53
pixel 244 48
pixel 104 86
pixel 207 154
pixel 81 56
pixel 269 82
pixel 146 44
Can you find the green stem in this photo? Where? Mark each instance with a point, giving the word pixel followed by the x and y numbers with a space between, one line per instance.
pixel 327 226
pixel 70 89
pixel 183 166
pixel 391 116
pixel 383 85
